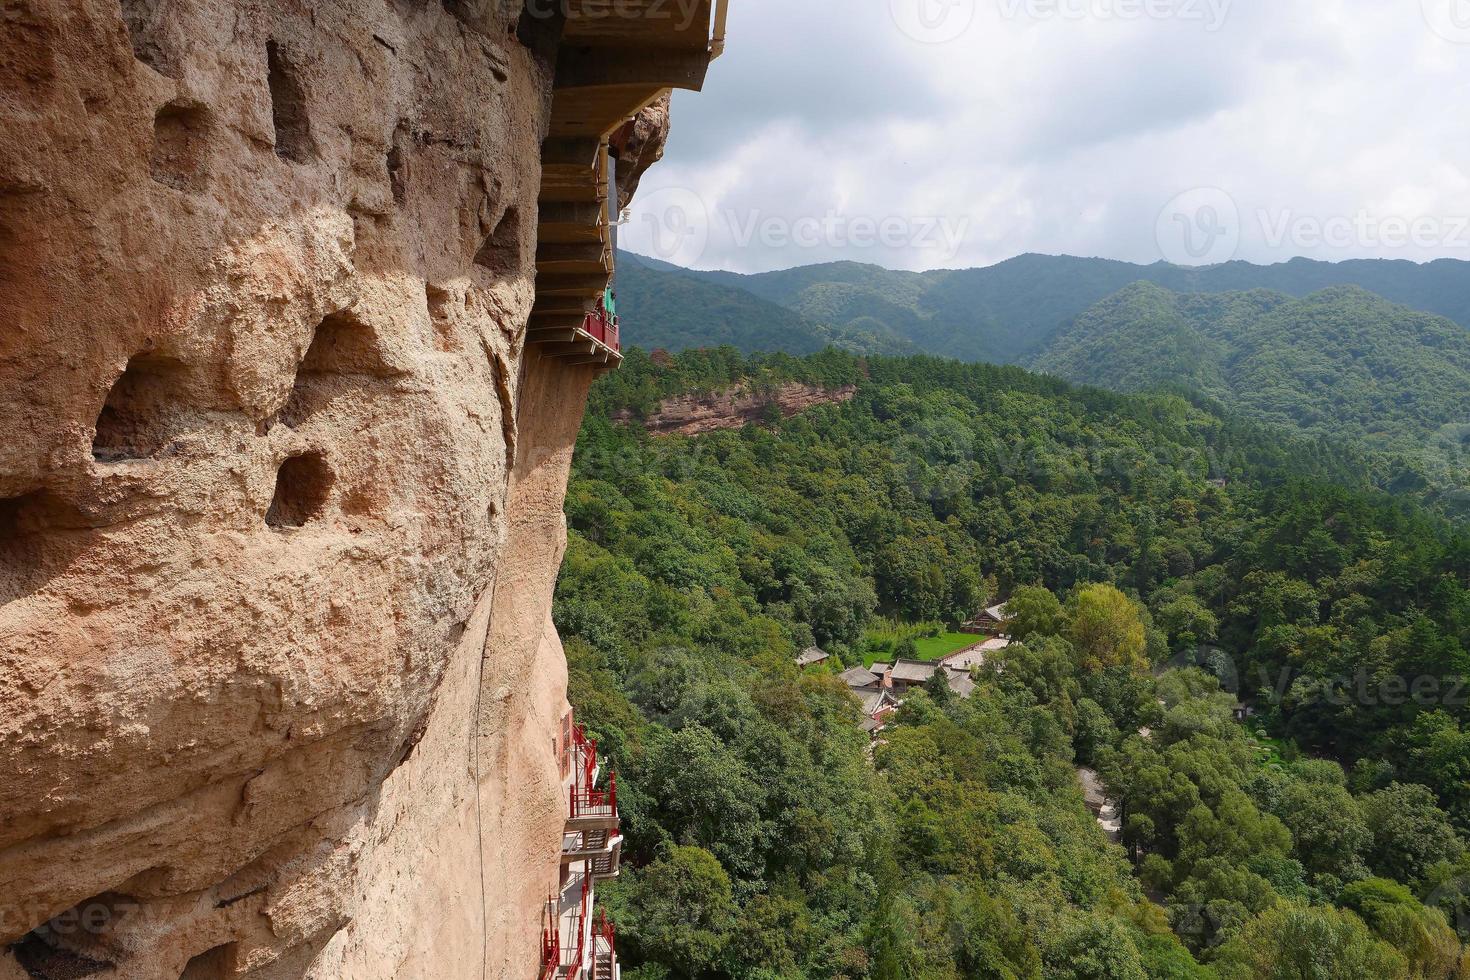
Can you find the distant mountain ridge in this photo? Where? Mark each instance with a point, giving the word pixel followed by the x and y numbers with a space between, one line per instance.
pixel 1342 362
pixel 1375 354
pixel 1008 313
pixel 664 306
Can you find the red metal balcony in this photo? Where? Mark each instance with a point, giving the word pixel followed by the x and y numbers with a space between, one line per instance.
pixel 603 329
pixel 589 808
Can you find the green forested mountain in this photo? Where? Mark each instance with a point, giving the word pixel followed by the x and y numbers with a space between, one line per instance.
pixel 1342 363
pixel 1161 562
pixel 1007 313
pixel 665 307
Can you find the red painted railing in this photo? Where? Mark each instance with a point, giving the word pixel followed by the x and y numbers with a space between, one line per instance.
pixel 602 328
pixel 563 960
pixel 551 942
pixel 604 930
pixel 588 802
pixel 586 798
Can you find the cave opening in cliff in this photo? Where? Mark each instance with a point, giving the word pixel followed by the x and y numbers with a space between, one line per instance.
pixel 37 538
pixel 294 141
pixel 343 347
pixel 142 413
pixel 180 136
pixel 43 961
pixel 214 964
pixel 501 253
pixel 145 30
pixel 344 344
pixel 84 941
pixel 303 486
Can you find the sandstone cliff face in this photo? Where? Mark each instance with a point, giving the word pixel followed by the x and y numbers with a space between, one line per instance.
pixel 280 491
pixel 691 415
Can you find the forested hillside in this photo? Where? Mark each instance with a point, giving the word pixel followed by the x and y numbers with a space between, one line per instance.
pixel 768 838
pixel 666 307
pixel 1341 363
pixel 1007 313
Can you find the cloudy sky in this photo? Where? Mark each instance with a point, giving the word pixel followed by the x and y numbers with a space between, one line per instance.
pixel 921 134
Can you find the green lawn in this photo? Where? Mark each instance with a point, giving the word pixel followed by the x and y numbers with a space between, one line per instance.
pixel 934 647
pixel 930 647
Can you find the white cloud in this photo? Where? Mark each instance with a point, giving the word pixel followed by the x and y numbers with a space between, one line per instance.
pixel 1065 126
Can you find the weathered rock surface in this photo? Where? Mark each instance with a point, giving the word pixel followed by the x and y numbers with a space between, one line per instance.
pixel 639 144
pixel 280 495
pixel 734 408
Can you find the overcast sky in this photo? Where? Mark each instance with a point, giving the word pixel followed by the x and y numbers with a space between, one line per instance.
pixel 921 134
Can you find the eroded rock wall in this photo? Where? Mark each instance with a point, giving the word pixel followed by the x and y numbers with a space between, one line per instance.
pixel 734 408
pixel 268 705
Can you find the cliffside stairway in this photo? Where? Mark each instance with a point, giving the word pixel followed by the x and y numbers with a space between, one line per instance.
pixel 615 57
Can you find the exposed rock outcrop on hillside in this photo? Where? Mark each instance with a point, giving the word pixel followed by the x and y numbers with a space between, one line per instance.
pixel 692 415
pixel 639 144
pixel 273 447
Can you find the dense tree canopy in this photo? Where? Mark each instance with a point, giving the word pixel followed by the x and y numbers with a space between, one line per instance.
pixel 1163 564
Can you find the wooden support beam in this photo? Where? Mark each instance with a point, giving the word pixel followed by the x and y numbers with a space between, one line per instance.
pixel 570 253
pixel 597 110
pixel 550 284
pixel 570 349
pixel 588 67
pixel 550 328
pixel 571 213
pixel 570 234
pixel 632 22
pixel 604 356
pixel 562 308
pixel 546 335
pixel 577 151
